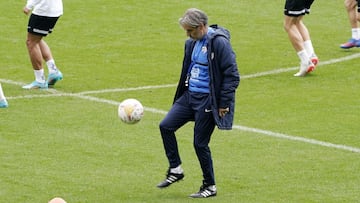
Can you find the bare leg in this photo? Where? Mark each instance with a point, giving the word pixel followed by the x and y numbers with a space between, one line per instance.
pixel 45 50
pixel 295 37
pixel 353 16
pixel 33 46
pixel 350 6
pixel 298 33
pixel 303 30
pixel 305 34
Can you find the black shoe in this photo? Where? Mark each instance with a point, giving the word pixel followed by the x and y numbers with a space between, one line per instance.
pixel 205 191
pixel 170 179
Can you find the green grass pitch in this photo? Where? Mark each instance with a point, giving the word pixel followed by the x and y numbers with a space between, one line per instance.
pixel 294 139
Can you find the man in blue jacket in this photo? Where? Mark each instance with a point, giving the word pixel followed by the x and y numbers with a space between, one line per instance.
pixel 205 95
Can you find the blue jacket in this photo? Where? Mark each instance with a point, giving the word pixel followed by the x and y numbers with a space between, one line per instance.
pixel 223 72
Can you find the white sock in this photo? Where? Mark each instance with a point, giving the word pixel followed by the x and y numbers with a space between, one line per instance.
pixel 51 66
pixel 309 47
pixel 2 97
pixel 304 57
pixel 355 33
pixel 39 75
pixel 177 170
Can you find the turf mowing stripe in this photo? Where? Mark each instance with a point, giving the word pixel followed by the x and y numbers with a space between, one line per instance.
pixel 127 89
pixel 255 75
pixel 83 95
pixel 238 127
pixel 282 70
pixel 296 138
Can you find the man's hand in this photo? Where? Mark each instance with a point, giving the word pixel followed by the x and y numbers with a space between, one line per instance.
pixel 223 111
pixel 26 10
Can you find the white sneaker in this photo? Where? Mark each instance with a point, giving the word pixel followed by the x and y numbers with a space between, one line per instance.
pixel 304 69
pixel 36 85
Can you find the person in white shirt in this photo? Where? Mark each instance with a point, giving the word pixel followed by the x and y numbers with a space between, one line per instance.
pixel 44 15
pixel 299 35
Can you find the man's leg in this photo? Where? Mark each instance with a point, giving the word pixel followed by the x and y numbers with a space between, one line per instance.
pixel 204 127
pixel 179 114
pixel 45 50
pixel 34 49
pixel 54 74
pixel 36 57
pixel 305 34
pixel 350 6
pixel 291 25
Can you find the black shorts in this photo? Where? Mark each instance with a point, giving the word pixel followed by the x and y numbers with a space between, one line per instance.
pixel 297 7
pixel 41 25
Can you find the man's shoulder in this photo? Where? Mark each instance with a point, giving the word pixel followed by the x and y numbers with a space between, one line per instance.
pixel 220 31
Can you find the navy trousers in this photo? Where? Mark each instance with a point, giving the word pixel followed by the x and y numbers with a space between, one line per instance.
pixel 190 107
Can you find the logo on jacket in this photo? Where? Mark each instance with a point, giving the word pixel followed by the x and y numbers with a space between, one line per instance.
pixel 204 49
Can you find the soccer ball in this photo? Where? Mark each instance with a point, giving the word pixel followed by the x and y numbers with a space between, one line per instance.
pixel 130 111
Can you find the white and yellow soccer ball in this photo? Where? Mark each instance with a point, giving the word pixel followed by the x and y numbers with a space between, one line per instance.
pixel 130 111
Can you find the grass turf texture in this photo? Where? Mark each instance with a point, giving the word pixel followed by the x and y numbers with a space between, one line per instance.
pixel 78 149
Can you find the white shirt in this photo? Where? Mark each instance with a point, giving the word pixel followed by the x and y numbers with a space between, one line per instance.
pixel 49 8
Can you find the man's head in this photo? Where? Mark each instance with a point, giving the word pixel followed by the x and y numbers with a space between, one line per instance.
pixel 194 22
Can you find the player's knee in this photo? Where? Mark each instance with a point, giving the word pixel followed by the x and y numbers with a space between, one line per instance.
pixel 28 43
pixel 164 127
pixel 350 5
pixel 200 145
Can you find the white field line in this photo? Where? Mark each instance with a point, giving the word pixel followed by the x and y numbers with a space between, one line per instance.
pixel 296 138
pixel 255 75
pixel 83 95
pixel 128 89
pixel 282 70
pixel 238 127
